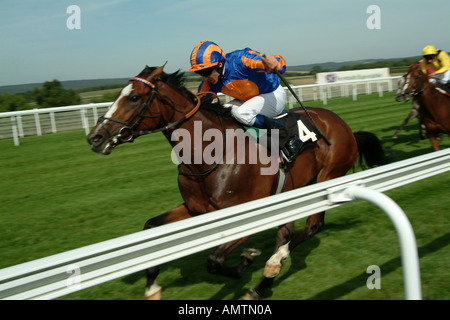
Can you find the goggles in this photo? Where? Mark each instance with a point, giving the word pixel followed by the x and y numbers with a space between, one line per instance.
pixel 205 72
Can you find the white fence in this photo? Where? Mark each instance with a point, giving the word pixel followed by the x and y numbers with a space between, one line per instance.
pixel 19 124
pixel 325 91
pixel 81 268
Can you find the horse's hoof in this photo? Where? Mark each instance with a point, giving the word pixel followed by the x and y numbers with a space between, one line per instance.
pixel 271 271
pixel 153 293
pixel 251 253
pixel 251 295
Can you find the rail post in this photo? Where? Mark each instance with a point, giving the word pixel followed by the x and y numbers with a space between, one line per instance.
pixel 408 246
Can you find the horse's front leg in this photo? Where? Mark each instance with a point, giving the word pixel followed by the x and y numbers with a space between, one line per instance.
pixel 412 114
pixel 152 290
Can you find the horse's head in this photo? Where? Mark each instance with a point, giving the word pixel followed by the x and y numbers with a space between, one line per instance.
pixel 403 93
pixel 129 112
pixel 417 81
pixel 145 105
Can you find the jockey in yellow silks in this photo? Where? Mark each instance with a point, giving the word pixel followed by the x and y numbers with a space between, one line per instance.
pixel 247 76
pixel 438 62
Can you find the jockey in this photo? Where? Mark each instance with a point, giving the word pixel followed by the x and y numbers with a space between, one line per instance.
pixel 439 63
pixel 246 76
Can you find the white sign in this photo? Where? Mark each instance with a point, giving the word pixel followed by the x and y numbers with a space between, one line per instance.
pixel 339 76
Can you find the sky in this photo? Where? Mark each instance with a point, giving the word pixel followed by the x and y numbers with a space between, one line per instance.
pixel 46 40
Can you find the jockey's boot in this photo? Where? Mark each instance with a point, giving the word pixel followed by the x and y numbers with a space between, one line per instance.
pixel 290 146
pixel 447 87
pixel 444 87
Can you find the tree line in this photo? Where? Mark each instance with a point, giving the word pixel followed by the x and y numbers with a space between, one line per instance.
pixel 405 62
pixel 52 94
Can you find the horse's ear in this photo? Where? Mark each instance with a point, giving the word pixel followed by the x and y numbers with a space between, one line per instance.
pixel 156 73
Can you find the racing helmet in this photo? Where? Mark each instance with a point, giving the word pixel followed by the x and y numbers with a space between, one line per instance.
pixel 429 50
pixel 206 54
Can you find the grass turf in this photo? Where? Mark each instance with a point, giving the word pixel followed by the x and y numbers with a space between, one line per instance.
pixel 57 195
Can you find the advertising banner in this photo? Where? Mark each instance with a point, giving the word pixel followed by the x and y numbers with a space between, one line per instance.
pixel 339 76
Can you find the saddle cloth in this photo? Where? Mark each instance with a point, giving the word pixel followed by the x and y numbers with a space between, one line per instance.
pixel 297 124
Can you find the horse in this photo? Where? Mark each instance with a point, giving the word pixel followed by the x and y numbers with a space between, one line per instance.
pixel 402 95
pixel 155 101
pixel 434 111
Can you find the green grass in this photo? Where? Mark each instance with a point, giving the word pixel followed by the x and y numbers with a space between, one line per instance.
pixel 57 195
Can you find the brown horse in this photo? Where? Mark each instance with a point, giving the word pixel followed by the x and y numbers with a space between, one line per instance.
pixel 434 111
pixel 158 102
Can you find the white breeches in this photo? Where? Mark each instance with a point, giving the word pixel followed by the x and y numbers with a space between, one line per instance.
pixel 268 104
pixel 442 77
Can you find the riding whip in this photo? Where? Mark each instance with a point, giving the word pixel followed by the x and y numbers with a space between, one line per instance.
pixel 301 104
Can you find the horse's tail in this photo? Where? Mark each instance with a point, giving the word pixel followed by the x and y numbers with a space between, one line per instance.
pixel 370 150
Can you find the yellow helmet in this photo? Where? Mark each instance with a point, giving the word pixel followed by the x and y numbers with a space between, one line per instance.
pixel 429 50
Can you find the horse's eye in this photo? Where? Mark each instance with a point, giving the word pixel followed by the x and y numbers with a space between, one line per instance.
pixel 135 98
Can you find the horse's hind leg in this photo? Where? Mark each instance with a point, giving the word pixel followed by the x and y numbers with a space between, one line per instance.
pixel 314 224
pixel 152 289
pixel 284 236
pixel 216 260
pixel 434 141
pixel 273 266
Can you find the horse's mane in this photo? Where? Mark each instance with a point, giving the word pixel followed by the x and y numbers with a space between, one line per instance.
pixel 176 81
pixel 216 108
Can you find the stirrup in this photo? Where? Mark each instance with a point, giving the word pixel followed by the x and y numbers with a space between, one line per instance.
pixel 292 149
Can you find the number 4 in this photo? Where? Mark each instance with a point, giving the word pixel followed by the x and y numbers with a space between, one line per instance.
pixel 303 132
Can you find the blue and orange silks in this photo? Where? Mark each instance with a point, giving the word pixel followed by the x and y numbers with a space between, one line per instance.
pixel 245 76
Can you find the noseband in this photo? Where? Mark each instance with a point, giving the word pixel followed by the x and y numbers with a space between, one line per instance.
pixel 129 129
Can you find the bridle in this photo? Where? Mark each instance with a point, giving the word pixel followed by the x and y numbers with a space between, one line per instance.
pixel 415 93
pixel 128 132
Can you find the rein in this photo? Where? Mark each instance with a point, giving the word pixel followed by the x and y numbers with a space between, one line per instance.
pixel 207 172
pixel 173 124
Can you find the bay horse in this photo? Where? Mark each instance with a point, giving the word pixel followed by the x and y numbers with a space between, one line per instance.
pixel 404 95
pixel 434 111
pixel 155 101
